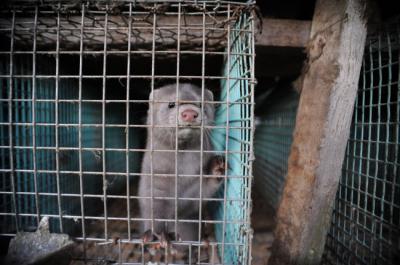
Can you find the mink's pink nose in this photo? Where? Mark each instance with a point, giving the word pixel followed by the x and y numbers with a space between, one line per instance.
pixel 189 115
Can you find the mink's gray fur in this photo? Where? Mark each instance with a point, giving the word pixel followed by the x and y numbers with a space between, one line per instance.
pixel 189 138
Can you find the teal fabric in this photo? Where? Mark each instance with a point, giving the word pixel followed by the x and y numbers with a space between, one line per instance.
pixel 236 140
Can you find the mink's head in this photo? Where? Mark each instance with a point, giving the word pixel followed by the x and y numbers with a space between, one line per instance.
pixel 167 111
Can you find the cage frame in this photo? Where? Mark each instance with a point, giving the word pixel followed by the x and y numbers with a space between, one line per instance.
pixel 11 76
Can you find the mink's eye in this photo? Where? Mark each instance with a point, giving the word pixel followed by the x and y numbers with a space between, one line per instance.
pixel 171 105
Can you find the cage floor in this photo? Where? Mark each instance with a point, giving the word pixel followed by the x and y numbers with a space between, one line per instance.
pixel 99 253
pixel 95 252
pixel 109 254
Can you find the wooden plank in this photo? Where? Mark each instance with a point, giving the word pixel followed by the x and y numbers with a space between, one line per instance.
pixel 191 34
pixel 275 32
pixel 284 33
pixel 328 91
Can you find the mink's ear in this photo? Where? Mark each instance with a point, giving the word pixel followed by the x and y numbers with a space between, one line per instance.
pixel 208 95
pixel 154 94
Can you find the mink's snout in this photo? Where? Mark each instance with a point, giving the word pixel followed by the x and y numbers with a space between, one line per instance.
pixel 189 115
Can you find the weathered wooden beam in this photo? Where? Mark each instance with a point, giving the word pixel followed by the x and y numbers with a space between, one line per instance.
pixel 284 33
pixel 328 91
pixel 275 32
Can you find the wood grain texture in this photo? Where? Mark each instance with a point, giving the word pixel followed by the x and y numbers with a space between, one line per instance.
pixel 284 33
pixel 274 32
pixel 328 91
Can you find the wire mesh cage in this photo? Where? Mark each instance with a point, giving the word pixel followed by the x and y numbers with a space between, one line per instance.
pixel 272 140
pixel 75 81
pixel 365 222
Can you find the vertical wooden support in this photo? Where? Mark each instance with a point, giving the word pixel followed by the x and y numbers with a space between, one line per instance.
pixel 328 90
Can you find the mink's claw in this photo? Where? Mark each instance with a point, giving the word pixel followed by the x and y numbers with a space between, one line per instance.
pixel 148 236
pixel 165 239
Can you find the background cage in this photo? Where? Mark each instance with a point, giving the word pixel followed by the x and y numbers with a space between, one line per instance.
pixel 272 141
pixel 75 79
pixel 365 223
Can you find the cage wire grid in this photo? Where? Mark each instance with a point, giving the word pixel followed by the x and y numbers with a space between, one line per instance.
pixel 68 143
pixel 272 141
pixel 366 217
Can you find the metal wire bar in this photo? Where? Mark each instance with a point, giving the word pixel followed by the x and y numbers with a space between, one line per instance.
pixel 4 186
pixel 153 48
pixel 236 102
pixel 128 87
pixel 21 26
pixel 194 243
pixel 26 160
pixel 69 125
pixel 103 128
pixel 201 132
pixel 189 77
pixel 57 127
pixel 10 128
pixel 131 52
pixel 118 173
pixel 117 149
pixel 80 130
pixel 178 69
pixel 77 217
pixel 228 58
pixel 34 119
pixel 249 185
pixel 124 197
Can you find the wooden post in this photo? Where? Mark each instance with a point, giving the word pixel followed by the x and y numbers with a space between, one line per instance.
pixel 328 90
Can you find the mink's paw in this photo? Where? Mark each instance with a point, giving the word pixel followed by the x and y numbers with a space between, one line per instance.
pixel 147 236
pixel 162 240
pixel 165 239
pixel 217 166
